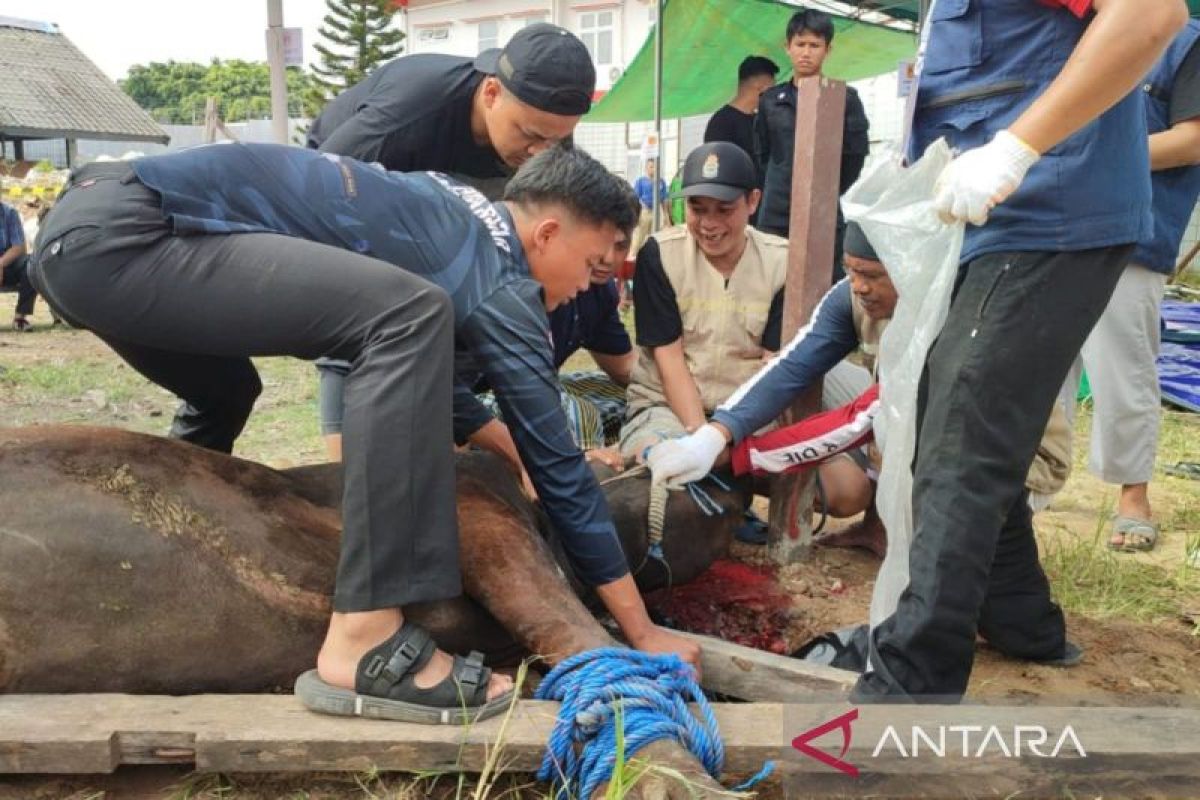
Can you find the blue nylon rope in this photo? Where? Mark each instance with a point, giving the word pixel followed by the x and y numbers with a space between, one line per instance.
pixel 652 692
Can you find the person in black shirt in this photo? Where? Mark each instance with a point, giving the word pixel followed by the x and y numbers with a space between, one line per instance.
pixel 734 121
pixel 474 119
pixel 809 41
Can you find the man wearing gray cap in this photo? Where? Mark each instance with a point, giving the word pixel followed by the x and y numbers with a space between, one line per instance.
pixel 477 118
pixel 707 301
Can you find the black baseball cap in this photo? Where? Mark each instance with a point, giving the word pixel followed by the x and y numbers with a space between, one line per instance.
pixel 718 169
pixel 545 66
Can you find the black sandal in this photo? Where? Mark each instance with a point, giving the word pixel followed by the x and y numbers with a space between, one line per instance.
pixel 385 687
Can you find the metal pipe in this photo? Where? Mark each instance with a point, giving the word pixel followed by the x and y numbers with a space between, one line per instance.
pixel 658 80
pixel 279 94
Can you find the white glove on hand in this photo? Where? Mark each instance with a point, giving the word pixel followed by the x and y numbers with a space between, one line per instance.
pixel 978 180
pixel 681 461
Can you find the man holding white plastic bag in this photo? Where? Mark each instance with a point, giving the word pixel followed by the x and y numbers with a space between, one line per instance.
pixel 1014 90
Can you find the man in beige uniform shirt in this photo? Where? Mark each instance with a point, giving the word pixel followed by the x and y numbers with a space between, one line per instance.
pixel 707 301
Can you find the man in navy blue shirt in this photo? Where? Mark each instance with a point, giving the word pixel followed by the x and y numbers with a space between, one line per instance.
pixel 13 261
pixel 190 263
pixel 593 402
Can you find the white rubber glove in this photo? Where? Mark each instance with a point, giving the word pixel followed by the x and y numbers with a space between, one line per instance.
pixel 679 461
pixel 978 180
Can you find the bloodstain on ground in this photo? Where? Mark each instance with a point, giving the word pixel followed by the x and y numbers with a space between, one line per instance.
pixel 734 601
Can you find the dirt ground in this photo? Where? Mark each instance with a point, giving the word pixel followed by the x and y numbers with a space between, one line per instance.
pixel 1136 615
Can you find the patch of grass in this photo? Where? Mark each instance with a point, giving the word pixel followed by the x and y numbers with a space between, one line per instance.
pixel 64 379
pixel 1092 580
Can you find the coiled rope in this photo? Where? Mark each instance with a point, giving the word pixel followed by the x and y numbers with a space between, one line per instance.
pixel 647 694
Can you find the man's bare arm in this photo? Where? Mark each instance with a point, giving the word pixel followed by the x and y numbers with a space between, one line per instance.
pixel 619 368
pixel 679 386
pixel 1178 146
pixel 1121 45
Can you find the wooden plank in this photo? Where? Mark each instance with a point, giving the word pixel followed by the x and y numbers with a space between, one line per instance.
pixel 1152 749
pixel 820 113
pixel 750 674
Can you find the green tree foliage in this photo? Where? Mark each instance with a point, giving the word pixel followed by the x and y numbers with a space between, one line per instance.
pixel 176 92
pixel 358 37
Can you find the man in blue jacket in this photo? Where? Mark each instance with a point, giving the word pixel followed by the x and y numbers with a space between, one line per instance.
pixel 190 263
pixel 1055 206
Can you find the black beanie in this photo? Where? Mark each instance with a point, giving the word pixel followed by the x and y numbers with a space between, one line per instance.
pixel 856 244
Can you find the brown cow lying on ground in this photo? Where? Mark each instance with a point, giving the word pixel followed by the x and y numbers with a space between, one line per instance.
pixel 132 563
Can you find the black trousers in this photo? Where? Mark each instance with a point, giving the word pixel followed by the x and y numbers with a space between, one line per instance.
pixel 16 275
pixel 188 312
pixel 1016 323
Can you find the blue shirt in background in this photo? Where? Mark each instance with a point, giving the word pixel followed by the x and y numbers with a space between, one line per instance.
pixel 644 189
pixel 13 231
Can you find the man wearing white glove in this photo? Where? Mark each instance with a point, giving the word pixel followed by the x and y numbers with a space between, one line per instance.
pixel 682 461
pixel 1053 179
pixel 708 302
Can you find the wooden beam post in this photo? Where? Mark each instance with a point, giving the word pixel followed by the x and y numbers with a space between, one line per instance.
pixel 816 169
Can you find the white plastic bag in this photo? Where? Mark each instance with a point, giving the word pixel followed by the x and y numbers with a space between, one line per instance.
pixel 894 206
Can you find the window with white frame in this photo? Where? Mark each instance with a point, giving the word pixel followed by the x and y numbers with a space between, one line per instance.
pixel 489 34
pixel 596 31
pixel 534 20
pixel 433 34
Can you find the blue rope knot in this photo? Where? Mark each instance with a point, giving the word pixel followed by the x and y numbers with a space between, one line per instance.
pixel 651 692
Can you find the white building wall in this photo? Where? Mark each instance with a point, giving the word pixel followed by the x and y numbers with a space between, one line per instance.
pixel 614 29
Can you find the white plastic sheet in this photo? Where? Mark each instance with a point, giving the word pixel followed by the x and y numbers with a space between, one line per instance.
pixel 894 206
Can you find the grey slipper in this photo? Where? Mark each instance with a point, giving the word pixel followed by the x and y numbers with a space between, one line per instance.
pixel 385 687
pixel 1137 535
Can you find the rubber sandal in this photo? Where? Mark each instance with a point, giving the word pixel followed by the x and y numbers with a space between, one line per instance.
pixel 753 530
pixel 385 687
pixel 1137 535
pixel 1184 469
pixel 845 648
pixel 1072 654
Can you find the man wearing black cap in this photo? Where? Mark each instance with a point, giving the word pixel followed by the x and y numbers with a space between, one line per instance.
pixel 707 301
pixel 473 118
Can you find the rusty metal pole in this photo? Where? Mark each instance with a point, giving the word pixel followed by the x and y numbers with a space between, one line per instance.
pixel 816 169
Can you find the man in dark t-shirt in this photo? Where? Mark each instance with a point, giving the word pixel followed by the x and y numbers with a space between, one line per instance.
pixel 475 119
pixel 734 121
pixel 809 42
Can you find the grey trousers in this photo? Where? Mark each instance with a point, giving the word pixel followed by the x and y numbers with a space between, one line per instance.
pixel 1120 357
pixel 188 312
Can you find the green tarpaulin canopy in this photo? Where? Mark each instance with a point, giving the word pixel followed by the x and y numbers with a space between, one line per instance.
pixel 705 40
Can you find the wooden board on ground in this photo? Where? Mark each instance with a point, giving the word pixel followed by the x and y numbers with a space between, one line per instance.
pixel 749 674
pixel 1129 750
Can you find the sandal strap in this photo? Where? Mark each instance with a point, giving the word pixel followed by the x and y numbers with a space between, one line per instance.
pixel 408 650
pixel 470 673
pixel 472 677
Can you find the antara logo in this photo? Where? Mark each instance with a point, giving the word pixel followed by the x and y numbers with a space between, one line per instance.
pixel 801 742
pixel 969 741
